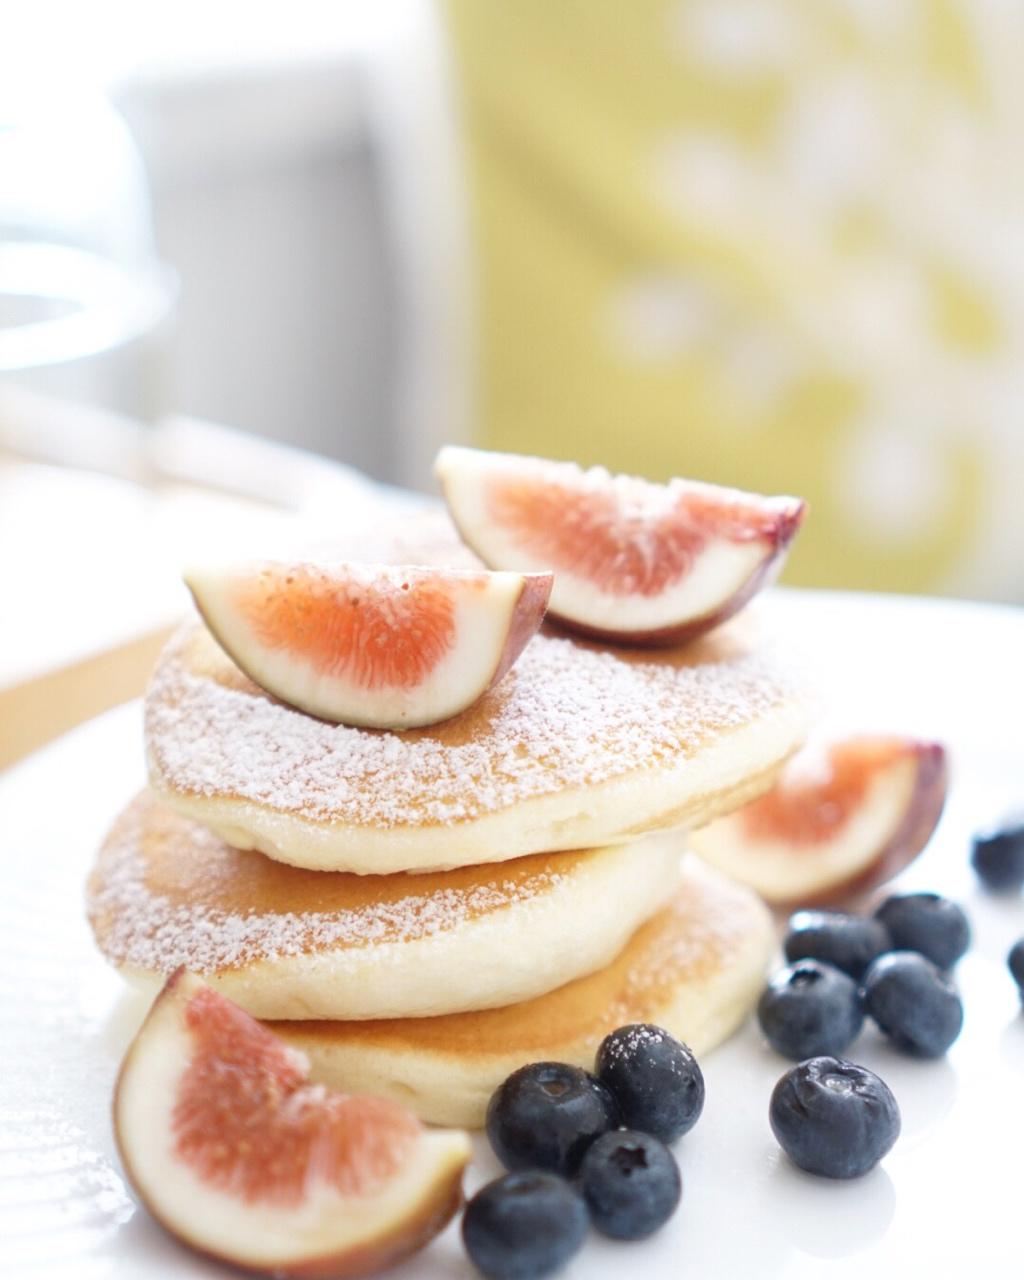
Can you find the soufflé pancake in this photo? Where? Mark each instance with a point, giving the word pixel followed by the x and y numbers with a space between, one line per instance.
pixel 425 910
pixel 695 969
pixel 288 943
pixel 580 745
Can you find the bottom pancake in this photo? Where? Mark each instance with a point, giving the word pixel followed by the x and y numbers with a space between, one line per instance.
pixel 695 969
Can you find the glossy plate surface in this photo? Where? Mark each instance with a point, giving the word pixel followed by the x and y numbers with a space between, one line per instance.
pixel 946 1201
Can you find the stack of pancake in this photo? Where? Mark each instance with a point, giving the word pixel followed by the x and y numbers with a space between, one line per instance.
pixel 424 911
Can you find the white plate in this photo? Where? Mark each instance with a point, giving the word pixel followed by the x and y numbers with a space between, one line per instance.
pixel 946 1200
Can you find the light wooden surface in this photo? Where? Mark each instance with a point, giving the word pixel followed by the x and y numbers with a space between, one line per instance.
pixel 34 712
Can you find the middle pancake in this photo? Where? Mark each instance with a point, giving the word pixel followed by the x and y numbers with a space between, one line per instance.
pixel 292 944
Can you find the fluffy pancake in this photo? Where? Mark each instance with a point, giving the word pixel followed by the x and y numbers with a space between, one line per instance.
pixel 290 943
pixel 696 969
pixel 578 746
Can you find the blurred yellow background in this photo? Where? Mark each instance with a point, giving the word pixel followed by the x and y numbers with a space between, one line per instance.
pixel 769 243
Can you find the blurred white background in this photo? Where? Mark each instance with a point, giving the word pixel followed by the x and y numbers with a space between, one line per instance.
pixel 254 127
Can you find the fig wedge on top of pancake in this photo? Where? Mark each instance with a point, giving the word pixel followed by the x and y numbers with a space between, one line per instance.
pixel 844 816
pixel 635 563
pixel 384 646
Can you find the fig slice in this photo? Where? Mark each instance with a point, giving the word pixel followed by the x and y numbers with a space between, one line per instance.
pixel 380 646
pixel 844 816
pixel 634 562
pixel 236 1153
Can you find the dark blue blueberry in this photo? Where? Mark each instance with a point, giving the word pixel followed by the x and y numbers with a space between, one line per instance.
pixel 656 1080
pixel 846 941
pixel 913 1002
pixel 927 923
pixel 809 1009
pixel 523 1226
pixel 834 1118
pixel 1016 962
pixel 998 857
pixel 545 1116
pixel 631 1184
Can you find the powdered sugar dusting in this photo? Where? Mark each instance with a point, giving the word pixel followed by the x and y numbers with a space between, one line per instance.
pixel 714 920
pixel 630 1040
pixel 156 931
pixel 568 715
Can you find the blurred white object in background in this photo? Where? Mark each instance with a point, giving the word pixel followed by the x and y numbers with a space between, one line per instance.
pixel 265 202
pixel 84 301
pixel 412 114
pixel 269 198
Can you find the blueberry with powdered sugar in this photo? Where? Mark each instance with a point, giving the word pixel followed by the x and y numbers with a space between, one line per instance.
pixel 655 1079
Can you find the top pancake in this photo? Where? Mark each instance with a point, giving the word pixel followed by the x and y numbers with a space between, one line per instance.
pixel 579 745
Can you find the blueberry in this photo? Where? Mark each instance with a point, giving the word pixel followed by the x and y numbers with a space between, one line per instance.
pixel 998 857
pixel 809 1009
pixel 546 1115
pixel 913 1002
pixel 1016 962
pixel 834 1118
pixel 656 1080
pixel 631 1184
pixel 927 923
pixel 846 941
pixel 524 1225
